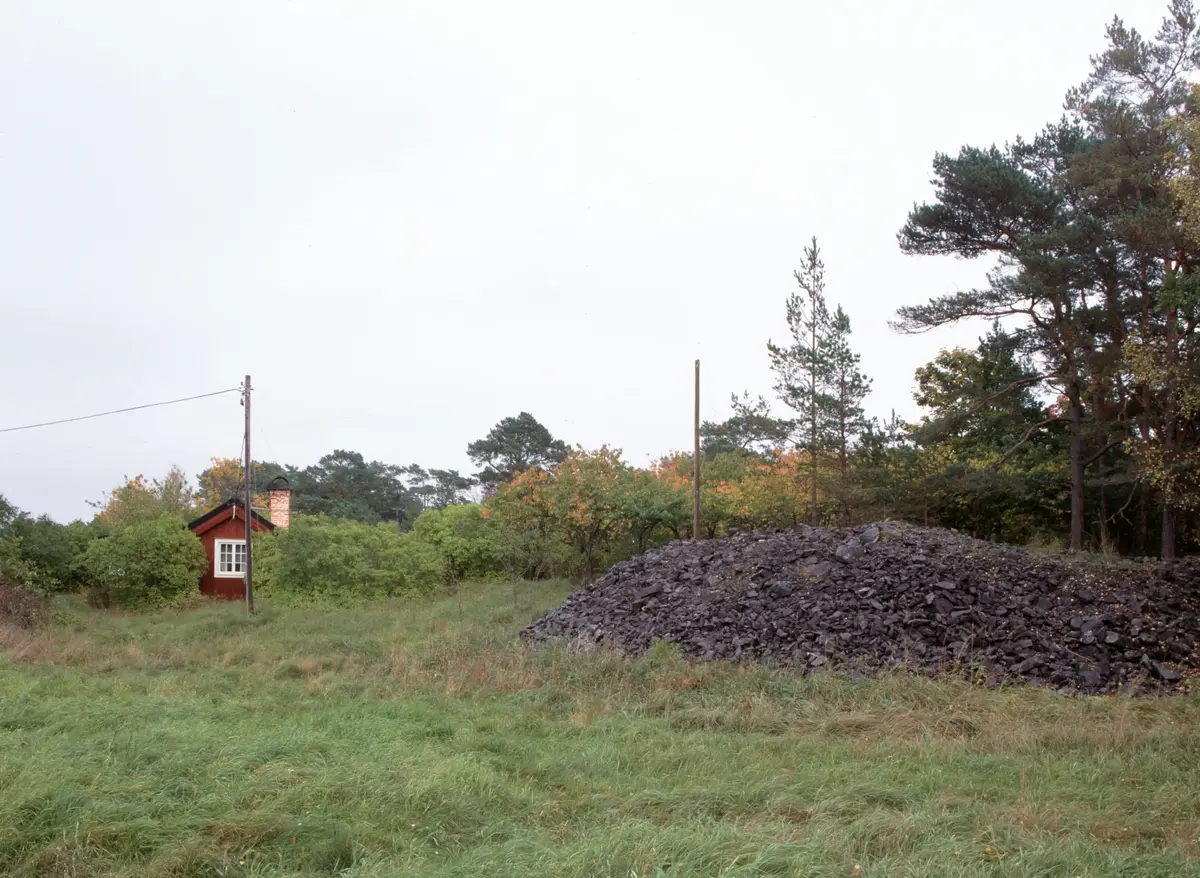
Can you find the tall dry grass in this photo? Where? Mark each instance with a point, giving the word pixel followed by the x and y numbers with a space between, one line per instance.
pixel 422 738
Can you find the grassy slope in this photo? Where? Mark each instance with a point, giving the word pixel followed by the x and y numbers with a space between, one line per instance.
pixel 407 740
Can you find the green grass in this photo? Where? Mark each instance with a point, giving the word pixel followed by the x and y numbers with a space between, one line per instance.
pixel 421 739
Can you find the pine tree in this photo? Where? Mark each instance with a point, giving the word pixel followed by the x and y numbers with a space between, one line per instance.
pixel 1094 262
pixel 845 419
pixel 1129 107
pixel 803 373
pixel 750 429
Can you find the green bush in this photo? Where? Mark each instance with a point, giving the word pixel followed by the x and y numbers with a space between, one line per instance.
pixel 55 552
pixel 21 601
pixel 467 548
pixel 15 570
pixel 265 559
pixel 146 565
pixel 326 560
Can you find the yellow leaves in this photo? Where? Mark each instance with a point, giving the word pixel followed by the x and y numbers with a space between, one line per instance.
pixel 142 499
pixel 222 480
pixel 594 495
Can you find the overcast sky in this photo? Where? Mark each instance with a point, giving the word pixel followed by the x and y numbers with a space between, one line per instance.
pixel 407 220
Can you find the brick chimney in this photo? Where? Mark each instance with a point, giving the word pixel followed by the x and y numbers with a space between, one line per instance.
pixel 280 503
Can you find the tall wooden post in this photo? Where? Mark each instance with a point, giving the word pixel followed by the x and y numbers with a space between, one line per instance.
pixel 696 461
pixel 248 509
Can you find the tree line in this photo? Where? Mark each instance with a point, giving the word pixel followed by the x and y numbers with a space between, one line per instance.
pixel 1074 422
pixel 341 484
pixel 360 527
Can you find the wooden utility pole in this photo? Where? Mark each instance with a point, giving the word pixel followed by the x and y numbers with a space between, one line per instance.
pixel 696 461
pixel 248 509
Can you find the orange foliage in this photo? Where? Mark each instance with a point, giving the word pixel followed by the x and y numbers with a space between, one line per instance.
pixel 743 490
pixel 222 481
pixel 593 497
pixel 141 499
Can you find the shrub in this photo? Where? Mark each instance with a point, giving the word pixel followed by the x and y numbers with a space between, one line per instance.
pixel 466 547
pixel 21 603
pixel 325 560
pixel 265 559
pixel 56 551
pixel 15 570
pixel 145 565
pixel 23 607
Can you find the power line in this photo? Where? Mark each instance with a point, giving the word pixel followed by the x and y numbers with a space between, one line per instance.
pixel 132 408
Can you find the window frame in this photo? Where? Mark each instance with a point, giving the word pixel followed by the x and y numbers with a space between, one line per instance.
pixel 233 557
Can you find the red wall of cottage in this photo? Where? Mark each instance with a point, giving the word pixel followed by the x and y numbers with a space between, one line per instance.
pixel 211 585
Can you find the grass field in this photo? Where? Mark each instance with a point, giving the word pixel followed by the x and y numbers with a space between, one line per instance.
pixel 421 739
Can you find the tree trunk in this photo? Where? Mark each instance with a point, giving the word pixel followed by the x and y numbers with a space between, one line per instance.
pixel 1104 535
pixel 1144 487
pixel 924 495
pixel 845 492
pixel 1076 544
pixel 1169 528
pixel 812 477
pixel 1105 539
pixel 812 410
pixel 1142 538
pixel 1169 418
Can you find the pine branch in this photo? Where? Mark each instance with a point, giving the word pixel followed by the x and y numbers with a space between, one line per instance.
pixel 1020 382
pixel 952 420
pixel 1028 433
pixel 1120 513
pixel 1103 451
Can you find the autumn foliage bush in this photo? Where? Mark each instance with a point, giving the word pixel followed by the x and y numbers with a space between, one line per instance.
pixel 575 517
pixel 594 509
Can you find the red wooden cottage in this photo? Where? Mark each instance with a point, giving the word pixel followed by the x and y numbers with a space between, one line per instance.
pixel 223 533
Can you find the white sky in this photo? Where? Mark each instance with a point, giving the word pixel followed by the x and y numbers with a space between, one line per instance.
pixel 409 220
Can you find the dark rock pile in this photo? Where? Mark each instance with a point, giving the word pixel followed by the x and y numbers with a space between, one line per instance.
pixel 885 596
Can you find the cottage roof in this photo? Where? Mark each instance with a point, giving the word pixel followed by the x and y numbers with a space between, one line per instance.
pixel 230 509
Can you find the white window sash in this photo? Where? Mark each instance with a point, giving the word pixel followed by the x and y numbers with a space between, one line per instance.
pixel 229 559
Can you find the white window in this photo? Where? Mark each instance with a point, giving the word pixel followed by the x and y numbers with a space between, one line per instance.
pixel 231 558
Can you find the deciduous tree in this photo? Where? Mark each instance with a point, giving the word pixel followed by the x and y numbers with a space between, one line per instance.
pixel 223 480
pixel 650 505
pixel 141 499
pixel 464 543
